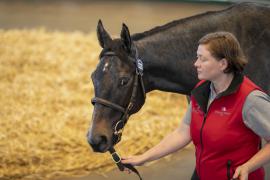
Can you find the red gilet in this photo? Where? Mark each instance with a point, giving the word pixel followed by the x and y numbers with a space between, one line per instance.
pixel 222 141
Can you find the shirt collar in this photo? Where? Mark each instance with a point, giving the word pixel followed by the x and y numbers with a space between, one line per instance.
pixel 202 92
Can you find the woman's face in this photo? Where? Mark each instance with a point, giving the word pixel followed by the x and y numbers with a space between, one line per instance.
pixel 208 68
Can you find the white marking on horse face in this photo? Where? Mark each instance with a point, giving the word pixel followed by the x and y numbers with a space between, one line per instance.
pixel 105 66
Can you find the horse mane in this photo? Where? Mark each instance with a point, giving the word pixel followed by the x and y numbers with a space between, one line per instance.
pixel 158 29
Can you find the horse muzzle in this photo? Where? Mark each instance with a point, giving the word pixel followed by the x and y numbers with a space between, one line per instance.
pixel 98 142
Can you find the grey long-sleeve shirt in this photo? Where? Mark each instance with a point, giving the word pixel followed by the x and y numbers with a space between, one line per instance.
pixel 256 112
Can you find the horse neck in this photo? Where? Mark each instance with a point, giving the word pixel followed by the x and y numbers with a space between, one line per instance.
pixel 168 61
pixel 165 68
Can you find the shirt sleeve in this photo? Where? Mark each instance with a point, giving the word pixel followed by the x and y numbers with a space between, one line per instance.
pixel 256 113
pixel 187 116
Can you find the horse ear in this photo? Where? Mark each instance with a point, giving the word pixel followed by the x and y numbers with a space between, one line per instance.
pixel 103 37
pixel 125 36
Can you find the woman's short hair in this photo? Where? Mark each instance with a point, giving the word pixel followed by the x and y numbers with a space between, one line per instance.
pixel 225 45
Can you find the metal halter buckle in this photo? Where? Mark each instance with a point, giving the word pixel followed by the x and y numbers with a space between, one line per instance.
pixel 116 157
pixel 118 129
pixel 139 65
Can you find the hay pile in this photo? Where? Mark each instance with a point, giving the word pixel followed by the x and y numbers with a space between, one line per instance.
pixel 45 107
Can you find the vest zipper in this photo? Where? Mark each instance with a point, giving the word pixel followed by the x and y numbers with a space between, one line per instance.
pixel 201 131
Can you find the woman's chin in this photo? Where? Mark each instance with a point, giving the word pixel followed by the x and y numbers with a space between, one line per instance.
pixel 200 77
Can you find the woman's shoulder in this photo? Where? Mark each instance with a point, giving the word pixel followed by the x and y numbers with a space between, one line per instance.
pixel 256 97
pixel 256 113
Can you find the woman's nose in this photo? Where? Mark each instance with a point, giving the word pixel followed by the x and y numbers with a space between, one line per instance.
pixel 196 64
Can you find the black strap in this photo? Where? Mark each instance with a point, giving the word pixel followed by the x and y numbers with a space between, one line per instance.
pixel 117 159
pixel 108 104
pixel 229 163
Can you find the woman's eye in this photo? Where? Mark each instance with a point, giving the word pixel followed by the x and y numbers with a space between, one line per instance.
pixel 203 59
pixel 124 81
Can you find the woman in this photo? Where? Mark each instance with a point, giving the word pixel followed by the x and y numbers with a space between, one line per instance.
pixel 226 119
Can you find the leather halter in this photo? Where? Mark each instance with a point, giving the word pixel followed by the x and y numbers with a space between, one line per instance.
pixel 119 125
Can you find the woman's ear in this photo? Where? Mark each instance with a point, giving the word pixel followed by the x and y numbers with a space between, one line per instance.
pixel 224 64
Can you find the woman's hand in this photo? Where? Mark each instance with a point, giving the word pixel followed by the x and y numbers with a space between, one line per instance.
pixel 241 172
pixel 133 160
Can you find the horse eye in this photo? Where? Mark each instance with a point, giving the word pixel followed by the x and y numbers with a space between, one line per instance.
pixel 124 81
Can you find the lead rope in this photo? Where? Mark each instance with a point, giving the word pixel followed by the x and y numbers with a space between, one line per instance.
pixel 117 160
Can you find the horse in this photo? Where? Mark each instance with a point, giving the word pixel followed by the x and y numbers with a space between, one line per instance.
pixel 162 59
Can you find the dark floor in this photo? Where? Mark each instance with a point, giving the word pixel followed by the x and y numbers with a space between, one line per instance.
pixel 179 166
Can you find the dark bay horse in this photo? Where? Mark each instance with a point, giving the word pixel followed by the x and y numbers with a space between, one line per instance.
pixel 168 53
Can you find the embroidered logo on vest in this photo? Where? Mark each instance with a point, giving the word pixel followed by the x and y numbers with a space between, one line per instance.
pixel 223 111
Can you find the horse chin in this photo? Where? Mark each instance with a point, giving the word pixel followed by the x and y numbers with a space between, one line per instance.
pixel 102 148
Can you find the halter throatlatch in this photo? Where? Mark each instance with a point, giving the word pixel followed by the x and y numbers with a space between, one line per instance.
pixel 119 125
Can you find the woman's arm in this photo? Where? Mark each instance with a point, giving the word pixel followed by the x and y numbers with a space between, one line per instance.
pixel 256 117
pixel 176 140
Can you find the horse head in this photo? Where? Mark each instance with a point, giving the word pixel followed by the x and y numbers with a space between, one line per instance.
pixel 118 88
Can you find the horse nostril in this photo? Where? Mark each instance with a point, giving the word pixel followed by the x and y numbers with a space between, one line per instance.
pixel 102 139
pixel 99 143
